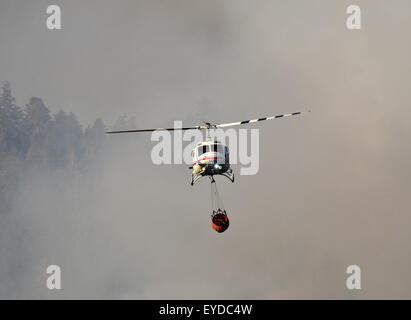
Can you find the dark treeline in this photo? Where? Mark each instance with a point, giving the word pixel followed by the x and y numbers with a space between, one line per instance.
pixel 31 138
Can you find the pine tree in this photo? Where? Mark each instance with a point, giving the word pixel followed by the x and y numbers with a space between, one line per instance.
pixel 37 125
pixel 94 138
pixel 65 140
pixel 12 137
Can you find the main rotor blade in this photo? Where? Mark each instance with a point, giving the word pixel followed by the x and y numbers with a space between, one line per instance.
pixel 208 126
pixel 150 130
pixel 223 125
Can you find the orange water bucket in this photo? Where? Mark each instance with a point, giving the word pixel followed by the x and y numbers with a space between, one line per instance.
pixel 219 221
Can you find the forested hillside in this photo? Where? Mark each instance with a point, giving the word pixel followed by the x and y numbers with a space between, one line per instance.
pixel 32 138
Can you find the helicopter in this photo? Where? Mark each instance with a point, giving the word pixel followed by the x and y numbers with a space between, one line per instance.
pixel 210 157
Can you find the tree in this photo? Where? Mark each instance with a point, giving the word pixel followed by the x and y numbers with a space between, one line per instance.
pixel 94 138
pixel 37 125
pixel 11 145
pixel 12 137
pixel 65 140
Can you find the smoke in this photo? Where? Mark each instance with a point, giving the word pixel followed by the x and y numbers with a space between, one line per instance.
pixel 332 189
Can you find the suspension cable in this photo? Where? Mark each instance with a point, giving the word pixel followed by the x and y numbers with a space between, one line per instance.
pixel 216 201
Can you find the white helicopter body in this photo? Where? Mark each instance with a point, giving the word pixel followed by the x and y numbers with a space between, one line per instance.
pixel 210 158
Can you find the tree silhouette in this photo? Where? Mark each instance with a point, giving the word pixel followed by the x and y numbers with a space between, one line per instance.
pixel 12 136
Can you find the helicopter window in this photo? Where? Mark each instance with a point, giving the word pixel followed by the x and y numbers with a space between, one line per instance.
pixel 201 150
pixel 218 148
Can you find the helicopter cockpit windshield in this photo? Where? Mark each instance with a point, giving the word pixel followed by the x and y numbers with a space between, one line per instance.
pixel 201 150
pixel 216 147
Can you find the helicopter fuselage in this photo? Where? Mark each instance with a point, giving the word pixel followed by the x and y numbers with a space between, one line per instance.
pixel 210 158
pixel 210 163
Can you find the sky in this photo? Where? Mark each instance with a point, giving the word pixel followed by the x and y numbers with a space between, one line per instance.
pixel 332 189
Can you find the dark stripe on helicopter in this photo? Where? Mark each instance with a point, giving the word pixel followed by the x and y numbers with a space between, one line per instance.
pixel 280 116
pixel 246 121
pixel 295 113
pixel 261 119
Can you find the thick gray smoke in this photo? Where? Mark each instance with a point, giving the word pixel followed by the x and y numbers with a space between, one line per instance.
pixel 333 186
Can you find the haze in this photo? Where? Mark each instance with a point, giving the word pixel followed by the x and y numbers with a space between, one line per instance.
pixel 333 186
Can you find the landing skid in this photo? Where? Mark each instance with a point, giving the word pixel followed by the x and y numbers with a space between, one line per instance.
pixel 228 174
pixel 194 178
